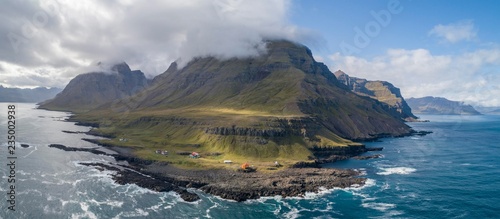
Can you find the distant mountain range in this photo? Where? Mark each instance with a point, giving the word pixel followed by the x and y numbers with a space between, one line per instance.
pixel 440 105
pixel 27 95
pixel 382 91
pixel 488 110
pixel 87 91
pixel 279 104
pixel 497 111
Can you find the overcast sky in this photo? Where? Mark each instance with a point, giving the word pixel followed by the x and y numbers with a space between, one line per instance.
pixel 444 48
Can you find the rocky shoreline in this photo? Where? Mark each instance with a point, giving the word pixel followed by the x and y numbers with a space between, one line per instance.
pixel 300 178
pixel 228 184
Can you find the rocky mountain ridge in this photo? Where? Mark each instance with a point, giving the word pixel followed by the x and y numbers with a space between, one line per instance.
pixel 27 95
pixel 280 104
pixel 89 90
pixel 440 105
pixel 382 91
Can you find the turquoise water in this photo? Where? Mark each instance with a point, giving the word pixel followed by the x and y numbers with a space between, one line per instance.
pixel 452 173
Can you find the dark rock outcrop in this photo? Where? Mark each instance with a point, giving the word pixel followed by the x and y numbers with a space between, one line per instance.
pixel 368 157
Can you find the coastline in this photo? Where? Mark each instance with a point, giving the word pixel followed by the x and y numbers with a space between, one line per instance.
pixel 227 184
pixel 291 181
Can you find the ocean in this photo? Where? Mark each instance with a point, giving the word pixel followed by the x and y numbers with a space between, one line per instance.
pixel 452 173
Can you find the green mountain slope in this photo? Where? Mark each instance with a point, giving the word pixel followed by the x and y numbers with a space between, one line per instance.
pixel 282 104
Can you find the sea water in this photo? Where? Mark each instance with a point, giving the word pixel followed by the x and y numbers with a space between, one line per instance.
pixel 452 173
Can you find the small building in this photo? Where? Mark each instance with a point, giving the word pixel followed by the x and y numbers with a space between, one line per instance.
pixel 194 155
pixel 228 161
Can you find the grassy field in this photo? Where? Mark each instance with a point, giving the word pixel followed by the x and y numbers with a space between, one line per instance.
pixel 147 132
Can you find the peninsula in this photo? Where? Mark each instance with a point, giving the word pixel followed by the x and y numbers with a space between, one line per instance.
pixel 274 113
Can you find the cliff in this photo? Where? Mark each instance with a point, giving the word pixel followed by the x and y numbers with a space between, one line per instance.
pixel 382 91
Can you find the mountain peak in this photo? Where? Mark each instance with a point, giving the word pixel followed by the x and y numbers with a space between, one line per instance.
pixel 89 90
pixel 121 68
pixel 339 73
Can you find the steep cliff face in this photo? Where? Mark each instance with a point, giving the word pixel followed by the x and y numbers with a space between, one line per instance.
pixel 87 91
pixel 382 91
pixel 439 105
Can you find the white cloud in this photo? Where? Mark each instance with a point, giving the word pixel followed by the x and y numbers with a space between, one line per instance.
pixel 61 36
pixel 472 77
pixel 463 30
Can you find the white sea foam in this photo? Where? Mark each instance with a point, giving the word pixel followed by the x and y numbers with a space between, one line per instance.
pixel 111 203
pixel 312 195
pixel 138 212
pixel 35 149
pixel 368 183
pixel 277 210
pixel 86 213
pixel 379 206
pixel 362 171
pixel 64 202
pixel 292 214
pixel 385 186
pixel 216 204
pixel 397 170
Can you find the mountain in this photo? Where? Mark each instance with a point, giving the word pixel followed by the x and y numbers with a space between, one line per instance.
pixel 497 112
pixel 439 105
pixel 34 95
pixel 488 110
pixel 382 91
pixel 87 91
pixel 281 104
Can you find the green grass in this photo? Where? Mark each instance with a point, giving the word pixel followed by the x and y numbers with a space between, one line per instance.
pixel 158 130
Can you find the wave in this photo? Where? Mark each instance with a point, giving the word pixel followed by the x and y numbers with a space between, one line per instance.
pixel 397 170
pixel 311 195
pixel 379 206
pixel 86 213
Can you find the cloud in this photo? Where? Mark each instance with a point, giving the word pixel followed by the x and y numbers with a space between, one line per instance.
pixel 59 37
pixel 472 77
pixel 460 31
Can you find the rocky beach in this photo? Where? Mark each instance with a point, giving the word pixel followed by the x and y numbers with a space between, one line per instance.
pixel 225 183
